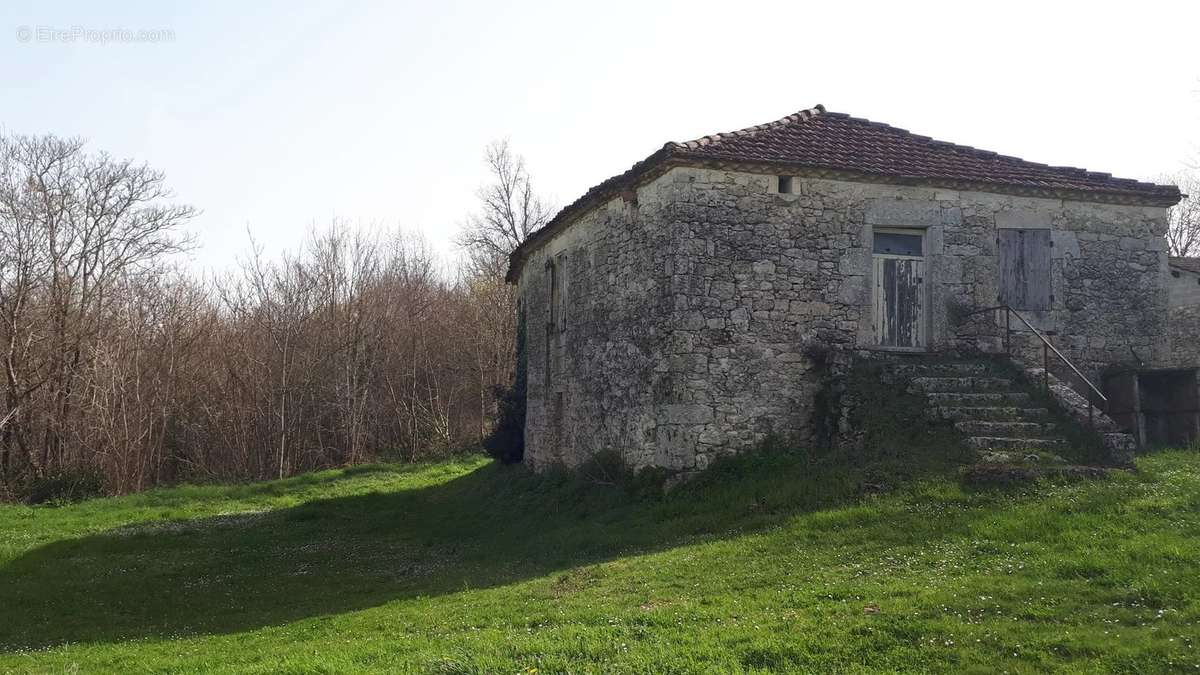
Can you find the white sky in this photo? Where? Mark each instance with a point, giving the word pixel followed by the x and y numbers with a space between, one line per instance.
pixel 271 116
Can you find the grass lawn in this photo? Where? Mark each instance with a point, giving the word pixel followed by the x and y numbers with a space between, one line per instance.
pixel 775 562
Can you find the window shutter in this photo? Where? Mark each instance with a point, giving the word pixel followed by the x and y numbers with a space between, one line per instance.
pixel 1025 269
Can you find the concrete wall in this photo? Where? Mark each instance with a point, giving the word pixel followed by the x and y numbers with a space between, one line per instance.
pixel 1184 298
pixel 1185 336
pixel 699 315
pixel 1183 288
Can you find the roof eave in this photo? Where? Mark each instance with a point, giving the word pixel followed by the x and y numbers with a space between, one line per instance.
pixel 647 169
pixel 1165 195
pixel 673 154
pixel 1192 266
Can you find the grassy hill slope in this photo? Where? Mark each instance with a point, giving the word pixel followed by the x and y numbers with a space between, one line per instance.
pixel 780 561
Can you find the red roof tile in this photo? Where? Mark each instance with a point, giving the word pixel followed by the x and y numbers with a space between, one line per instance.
pixel 828 140
pixel 816 139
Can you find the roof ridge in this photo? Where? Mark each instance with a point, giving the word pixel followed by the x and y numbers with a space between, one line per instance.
pixel 703 141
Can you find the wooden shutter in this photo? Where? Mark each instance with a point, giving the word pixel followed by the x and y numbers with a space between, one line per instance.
pixel 1025 269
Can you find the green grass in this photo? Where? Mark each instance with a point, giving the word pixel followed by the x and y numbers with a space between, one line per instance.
pixel 765 564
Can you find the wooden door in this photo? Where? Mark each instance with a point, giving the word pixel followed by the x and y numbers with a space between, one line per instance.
pixel 899 297
pixel 1025 269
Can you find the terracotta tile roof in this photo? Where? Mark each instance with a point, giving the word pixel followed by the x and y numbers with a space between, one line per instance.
pixel 828 140
pixel 1186 264
pixel 842 146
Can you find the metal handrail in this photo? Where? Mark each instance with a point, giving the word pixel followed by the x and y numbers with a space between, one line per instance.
pixel 1047 347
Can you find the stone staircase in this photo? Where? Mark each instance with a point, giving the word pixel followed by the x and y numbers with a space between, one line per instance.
pixel 994 412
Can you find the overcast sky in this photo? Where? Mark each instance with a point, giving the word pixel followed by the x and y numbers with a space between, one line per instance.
pixel 271 116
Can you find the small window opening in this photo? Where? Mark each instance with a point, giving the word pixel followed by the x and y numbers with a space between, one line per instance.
pixel 553 280
pixel 1175 273
pixel 894 243
pixel 785 185
pixel 558 293
pixel 548 370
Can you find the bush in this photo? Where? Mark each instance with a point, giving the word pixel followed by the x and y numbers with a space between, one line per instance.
pixel 507 440
pixel 506 443
pixel 66 485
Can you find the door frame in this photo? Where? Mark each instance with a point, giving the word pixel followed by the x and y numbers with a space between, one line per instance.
pixel 923 319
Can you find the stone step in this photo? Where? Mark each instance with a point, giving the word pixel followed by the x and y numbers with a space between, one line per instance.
pixel 962 384
pixel 961 399
pixel 1041 457
pixel 1008 443
pixel 991 413
pixel 1007 429
pixel 944 369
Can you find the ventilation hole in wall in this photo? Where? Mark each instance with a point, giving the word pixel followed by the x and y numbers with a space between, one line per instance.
pixel 785 185
pixel 1175 273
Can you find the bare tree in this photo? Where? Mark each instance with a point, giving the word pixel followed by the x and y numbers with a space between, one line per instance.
pixel 1183 237
pixel 117 364
pixel 73 227
pixel 510 210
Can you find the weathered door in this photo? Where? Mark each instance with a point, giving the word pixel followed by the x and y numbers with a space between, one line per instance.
pixel 899 297
pixel 1025 269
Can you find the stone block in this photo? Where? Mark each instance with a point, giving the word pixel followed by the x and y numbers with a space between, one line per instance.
pixel 686 413
pixel 723 289
pixel 903 213
pixel 1133 244
pixel 1024 219
pixel 1066 244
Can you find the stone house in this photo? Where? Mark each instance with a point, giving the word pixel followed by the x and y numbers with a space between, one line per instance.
pixel 681 310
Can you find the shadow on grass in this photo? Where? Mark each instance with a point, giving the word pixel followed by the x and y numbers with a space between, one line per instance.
pixel 217 490
pixel 490 527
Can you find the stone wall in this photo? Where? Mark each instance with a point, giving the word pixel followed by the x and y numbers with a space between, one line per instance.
pixel 700 313
pixel 761 283
pixel 590 385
